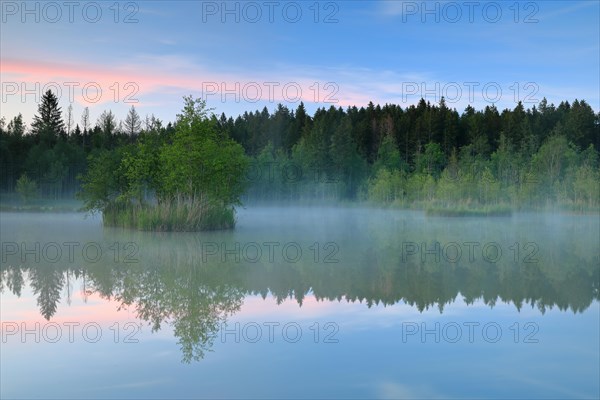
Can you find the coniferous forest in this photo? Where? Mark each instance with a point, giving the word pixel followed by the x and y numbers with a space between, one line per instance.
pixel 188 173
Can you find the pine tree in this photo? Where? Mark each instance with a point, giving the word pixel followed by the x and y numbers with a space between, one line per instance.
pixel 16 127
pixel 48 123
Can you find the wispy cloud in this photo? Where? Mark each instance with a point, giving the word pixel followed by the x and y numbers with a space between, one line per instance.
pixel 395 390
pixel 570 9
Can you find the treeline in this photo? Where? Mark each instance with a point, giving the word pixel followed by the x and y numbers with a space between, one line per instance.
pixel 426 154
pixel 54 151
pixel 423 155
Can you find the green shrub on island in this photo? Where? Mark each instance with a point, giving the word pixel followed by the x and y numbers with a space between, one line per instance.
pixel 190 181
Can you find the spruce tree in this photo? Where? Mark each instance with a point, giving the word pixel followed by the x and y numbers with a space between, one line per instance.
pixel 48 123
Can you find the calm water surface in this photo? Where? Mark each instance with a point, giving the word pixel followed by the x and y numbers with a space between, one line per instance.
pixel 302 302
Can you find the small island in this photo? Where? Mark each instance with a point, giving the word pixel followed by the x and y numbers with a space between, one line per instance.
pixel 189 181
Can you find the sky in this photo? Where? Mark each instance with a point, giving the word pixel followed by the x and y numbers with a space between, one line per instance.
pixel 243 56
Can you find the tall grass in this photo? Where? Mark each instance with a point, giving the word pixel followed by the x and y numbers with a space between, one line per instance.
pixel 495 210
pixel 178 214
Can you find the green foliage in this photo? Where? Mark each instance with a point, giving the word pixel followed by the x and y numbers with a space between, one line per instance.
pixel 388 156
pixel 553 159
pixel 103 182
pixel 107 122
pixel 16 127
pixel 141 168
pixel 188 183
pixel 586 187
pixel 26 188
pixel 556 176
pixel 348 167
pixel 431 160
pixel 387 187
pixel 199 163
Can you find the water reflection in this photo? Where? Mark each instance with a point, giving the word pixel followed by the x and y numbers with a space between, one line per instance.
pixel 194 282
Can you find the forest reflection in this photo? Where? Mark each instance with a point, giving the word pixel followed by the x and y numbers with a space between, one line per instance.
pixel 174 282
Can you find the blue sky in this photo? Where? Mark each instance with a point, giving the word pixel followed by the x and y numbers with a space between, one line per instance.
pixel 323 53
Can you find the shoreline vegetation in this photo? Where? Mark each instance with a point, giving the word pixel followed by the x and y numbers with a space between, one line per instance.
pixel 13 202
pixel 191 174
pixel 486 211
pixel 150 217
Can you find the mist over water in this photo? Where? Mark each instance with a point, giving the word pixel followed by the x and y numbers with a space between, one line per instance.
pixel 299 200
pixel 377 294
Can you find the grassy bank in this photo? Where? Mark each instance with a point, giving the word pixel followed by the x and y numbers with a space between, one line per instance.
pixel 463 211
pixel 503 210
pixel 12 202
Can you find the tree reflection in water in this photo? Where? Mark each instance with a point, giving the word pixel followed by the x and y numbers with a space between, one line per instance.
pixel 172 284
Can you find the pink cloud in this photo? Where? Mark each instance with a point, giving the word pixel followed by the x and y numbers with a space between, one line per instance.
pixel 92 85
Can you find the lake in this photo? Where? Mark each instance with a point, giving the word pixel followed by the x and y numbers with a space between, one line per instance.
pixel 302 302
